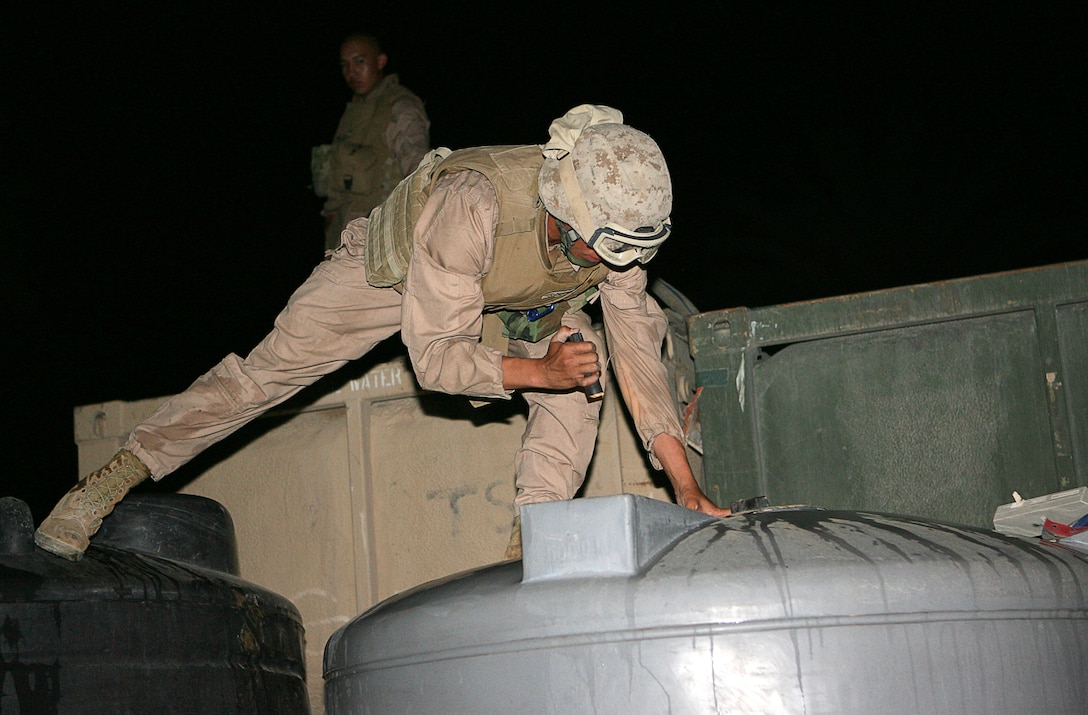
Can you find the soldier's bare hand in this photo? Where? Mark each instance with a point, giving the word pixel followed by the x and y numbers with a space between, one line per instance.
pixel 569 365
pixel 696 500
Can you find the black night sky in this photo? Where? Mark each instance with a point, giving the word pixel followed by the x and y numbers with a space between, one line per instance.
pixel 156 212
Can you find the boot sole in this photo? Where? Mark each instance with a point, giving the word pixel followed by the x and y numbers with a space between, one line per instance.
pixel 57 547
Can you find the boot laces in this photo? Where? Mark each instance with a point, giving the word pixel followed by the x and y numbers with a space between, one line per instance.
pixel 100 491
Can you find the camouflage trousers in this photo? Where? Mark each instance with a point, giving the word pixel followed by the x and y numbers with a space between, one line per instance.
pixel 333 318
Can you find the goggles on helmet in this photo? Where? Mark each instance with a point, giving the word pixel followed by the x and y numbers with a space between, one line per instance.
pixel 620 247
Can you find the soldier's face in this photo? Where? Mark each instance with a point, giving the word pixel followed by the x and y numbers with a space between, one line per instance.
pixel 581 250
pixel 361 65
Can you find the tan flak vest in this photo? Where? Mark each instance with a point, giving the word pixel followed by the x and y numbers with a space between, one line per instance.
pixel 362 169
pixel 524 273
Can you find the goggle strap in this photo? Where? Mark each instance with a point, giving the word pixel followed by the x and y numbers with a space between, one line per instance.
pixel 583 223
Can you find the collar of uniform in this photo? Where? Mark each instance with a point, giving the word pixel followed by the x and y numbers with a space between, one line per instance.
pixel 383 85
pixel 553 257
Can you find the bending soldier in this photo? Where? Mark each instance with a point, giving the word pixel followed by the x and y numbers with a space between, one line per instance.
pixel 463 249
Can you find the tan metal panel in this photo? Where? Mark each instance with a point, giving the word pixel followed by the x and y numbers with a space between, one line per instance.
pixel 365 487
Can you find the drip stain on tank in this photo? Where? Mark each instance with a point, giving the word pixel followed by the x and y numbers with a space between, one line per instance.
pixel 793 610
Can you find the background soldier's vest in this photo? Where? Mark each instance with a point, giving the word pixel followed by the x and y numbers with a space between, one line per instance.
pixel 524 275
pixel 362 169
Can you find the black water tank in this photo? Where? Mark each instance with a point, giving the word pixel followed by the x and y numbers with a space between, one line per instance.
pixel 153 619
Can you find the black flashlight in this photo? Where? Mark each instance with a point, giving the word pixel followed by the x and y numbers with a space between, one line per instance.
pixel 594 391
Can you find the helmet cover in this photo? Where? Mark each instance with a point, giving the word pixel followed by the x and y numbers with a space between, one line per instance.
pixel 621 175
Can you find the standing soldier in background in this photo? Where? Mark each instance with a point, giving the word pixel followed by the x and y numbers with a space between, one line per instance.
pixel 383 134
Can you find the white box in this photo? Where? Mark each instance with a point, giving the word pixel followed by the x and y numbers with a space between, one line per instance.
pixel 1025 517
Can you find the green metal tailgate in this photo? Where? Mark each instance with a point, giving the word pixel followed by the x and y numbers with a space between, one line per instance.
pixel 935 400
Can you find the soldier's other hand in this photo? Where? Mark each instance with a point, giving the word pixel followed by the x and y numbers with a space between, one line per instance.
pixel 695 499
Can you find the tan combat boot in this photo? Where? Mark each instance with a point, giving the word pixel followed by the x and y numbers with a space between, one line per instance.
pixel 513 549
pixel 68 529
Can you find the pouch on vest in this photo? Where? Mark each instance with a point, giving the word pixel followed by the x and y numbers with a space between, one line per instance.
pixel 320 157
pixel 535 325
pixel 387 258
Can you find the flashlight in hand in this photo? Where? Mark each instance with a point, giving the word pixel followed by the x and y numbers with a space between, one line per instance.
pixel 594 391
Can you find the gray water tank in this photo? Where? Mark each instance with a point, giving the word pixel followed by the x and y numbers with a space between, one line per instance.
pixel 629 605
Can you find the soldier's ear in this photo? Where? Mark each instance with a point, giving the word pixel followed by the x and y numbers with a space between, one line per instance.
pixel 383 59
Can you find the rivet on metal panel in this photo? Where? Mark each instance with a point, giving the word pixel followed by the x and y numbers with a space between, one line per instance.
pixel 1053 385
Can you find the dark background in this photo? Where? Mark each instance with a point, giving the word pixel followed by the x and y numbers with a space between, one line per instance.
pixel 156 212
